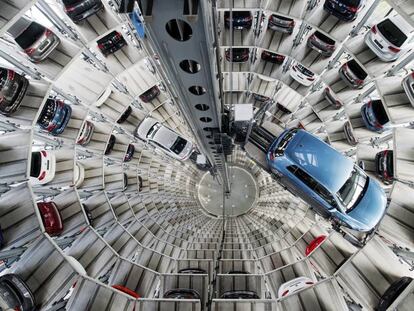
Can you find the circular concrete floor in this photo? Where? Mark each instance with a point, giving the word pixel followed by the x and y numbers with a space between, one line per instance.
pixel 243 194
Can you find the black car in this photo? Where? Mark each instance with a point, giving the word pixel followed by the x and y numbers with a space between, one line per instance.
pixel 192 271
pixel 13 87
pixel 281 23
pixel 239 55
pixel 125 115
pixel 111 43
pixel 384 166
pixel 79 10
pixel 129 153
pixel 15 294
pixel 182 293
pixel 346 10
pixel 272 57
pixel 241 19
pixel 393 292
pixel 151 94
pixel 240 294
pixel 110 145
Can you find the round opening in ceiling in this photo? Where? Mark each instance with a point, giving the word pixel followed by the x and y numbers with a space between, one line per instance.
pixel 202 107
pixel 179 29
pixel 205 119
pixel 197 90
pixel 190 66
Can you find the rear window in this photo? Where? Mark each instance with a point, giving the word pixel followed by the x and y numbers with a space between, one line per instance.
pixel 379 111
pixel 30 35
pixel 179 145
pixel 392 33
pixel 304 70
pixel 281 147
pixel 357 69
pixel 282 17
pixel 70 2
pixel 354 3
pixel 36 164
pixel 324 38
pixel 238 14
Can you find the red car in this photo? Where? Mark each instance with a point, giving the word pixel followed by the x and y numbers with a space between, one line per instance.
pixel 126 290
pixel 272 57
pixel 314 244
pixel 51 218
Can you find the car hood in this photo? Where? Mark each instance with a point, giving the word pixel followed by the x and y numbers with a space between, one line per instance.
pixel 371 208
pixel 321 161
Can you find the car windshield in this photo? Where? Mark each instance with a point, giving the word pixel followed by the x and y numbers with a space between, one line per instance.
pixel 179 145
pixel 153 130
pixel 392 33
pixel 356 69
pixel 353 189
pixel 30 35
pixel 379 111
pixel 36 164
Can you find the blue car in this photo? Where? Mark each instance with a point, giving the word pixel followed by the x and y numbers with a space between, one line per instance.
pixel 327 180
pixel 375 117
pixel 55 116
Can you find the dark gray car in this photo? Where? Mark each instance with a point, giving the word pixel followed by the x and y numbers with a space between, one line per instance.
pixel 78 10
pixel 13 87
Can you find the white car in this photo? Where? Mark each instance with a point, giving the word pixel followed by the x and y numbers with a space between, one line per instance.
pixel 302 74
pixel 389 38
pixel 293 286
pixel 408 85
pixel 161 136
pixel 42 167
pixel 78 174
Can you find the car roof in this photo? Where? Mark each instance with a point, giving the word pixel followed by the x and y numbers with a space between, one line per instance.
pixel 326 165
pixel 165 136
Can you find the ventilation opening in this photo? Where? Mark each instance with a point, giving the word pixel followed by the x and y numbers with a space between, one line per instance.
pixel 179 29
pixel 190 66
pixel 202 107
pixel 206 119
pixel 197 90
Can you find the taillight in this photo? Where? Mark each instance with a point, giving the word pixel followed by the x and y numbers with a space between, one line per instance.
pixel 310 79
pixel 412 74
pixel 309 283
pixel 43 153
pixel 285 293
pixel 359 81
pixel 48 32
pixel 377 124
pixel 10 74
pixel 42 176
pixel 100 45
pixel 393 49
pixel 369 104
pixel 353 9
pixel 51 127
pixel 374 29
pixel 272 156
pixel 29 51
pixel 70 9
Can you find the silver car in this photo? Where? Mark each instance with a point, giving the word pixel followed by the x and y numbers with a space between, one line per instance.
pixel 36 40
